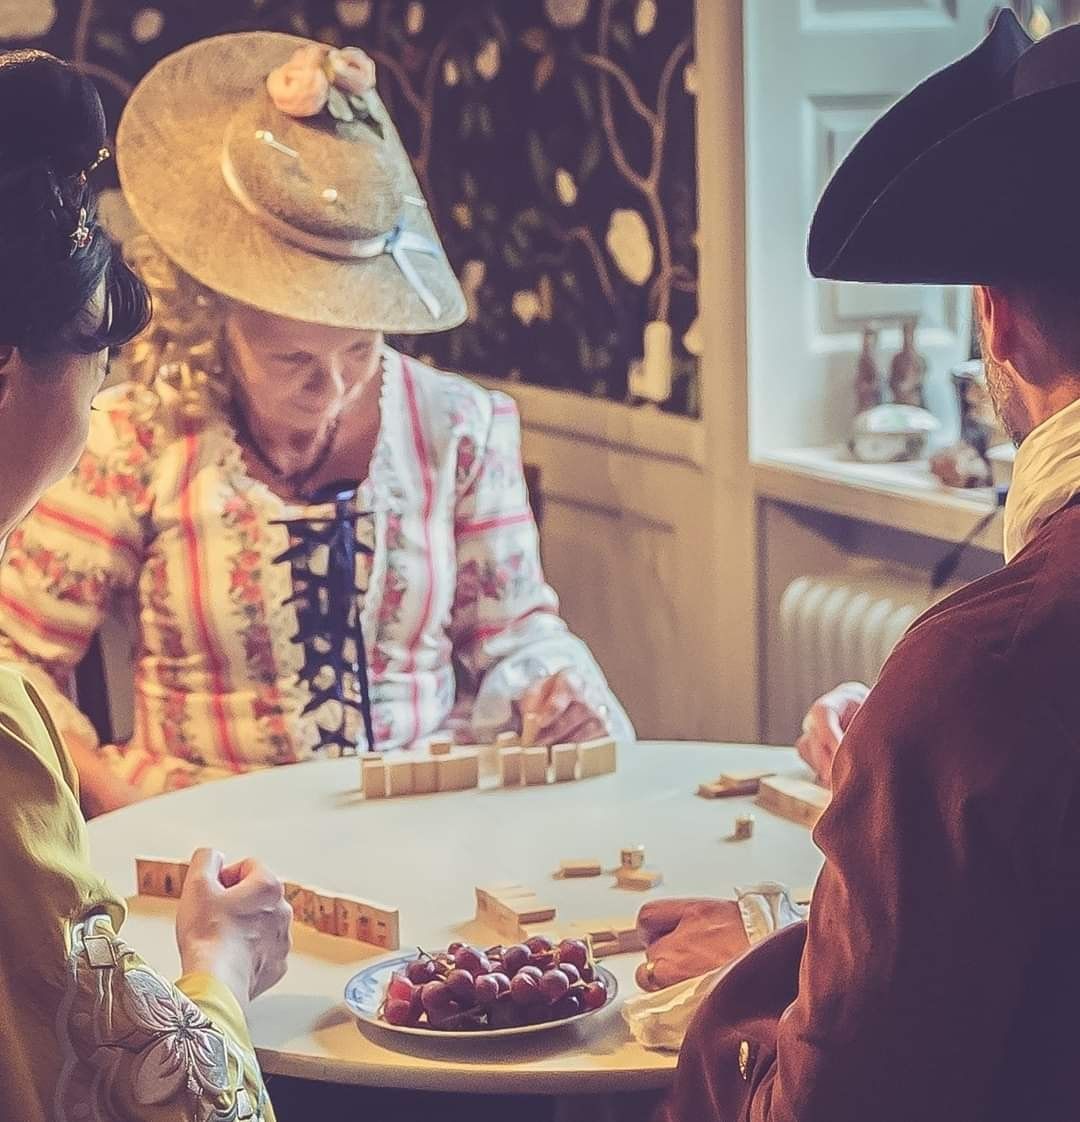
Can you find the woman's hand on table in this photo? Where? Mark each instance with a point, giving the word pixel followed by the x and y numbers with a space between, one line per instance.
pixel 685 938
pixel 233 924
pixel 560 710
pixel 825 724
pixel 100 788
pixel 104 792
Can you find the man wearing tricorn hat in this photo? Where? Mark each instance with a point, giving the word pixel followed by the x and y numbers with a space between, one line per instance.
pixel 938 976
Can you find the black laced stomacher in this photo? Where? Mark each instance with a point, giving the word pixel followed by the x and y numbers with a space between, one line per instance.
pixel 329 587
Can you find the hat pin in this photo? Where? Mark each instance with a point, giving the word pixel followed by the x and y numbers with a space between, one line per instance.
pixel 329 194
pixel 267 137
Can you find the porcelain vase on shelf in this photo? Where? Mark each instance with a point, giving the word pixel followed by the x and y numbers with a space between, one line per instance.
pixel 907 371
pixel 890 433
pixel 868 382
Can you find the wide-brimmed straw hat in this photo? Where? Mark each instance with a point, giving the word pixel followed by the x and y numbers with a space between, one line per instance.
pixel 972 178
pixel 315 218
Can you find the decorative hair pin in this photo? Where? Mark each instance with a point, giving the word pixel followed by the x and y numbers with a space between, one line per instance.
pixel 329 195
pixel 83 233
pixel 103 155
pixel 268 138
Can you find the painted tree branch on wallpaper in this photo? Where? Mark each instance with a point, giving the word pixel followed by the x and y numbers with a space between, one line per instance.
pixel 654 379
pixel 629 238
pixel 80 54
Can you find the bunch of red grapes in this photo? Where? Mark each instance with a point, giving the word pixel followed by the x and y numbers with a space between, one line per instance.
pixel 463 988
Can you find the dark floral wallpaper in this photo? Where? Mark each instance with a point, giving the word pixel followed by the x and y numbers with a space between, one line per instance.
pixel 554 139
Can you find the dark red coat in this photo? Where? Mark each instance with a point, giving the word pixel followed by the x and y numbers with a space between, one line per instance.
pixel 940 976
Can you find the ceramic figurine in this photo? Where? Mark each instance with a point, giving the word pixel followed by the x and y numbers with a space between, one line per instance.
pixel 868 388
pixel 908 370
pixel 979 423
pixel 961 465
pixel 888 433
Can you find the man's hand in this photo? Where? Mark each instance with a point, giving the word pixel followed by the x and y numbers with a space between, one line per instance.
pixel 561 712
pixel 825 724
pixel 685 938
pixel 233 923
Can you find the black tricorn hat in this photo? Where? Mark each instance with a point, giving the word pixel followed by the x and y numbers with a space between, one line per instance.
pixel 972 178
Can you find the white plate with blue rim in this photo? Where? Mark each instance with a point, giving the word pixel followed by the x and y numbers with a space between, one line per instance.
pixel 365 994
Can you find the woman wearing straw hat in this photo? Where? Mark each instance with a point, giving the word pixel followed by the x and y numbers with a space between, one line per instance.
pixel 329 544
pixel 90 1031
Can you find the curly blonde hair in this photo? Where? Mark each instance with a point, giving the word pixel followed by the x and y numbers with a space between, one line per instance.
pixel 184 345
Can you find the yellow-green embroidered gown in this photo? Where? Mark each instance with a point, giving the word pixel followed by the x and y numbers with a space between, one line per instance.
pixel 89 1032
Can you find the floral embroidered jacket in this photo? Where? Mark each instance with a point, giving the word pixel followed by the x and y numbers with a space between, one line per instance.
pixel 457 617
pixel 90 1031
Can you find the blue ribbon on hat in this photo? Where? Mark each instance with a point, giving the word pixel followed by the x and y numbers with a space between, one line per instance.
pixel 398 243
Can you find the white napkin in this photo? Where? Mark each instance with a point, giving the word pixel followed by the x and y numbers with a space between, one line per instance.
pixel 660 1020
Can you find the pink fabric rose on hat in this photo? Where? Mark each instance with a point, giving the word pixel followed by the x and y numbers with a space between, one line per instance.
pixel 300 86
pixel 353 70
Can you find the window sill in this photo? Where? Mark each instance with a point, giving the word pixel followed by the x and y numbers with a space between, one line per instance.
pixel 905 496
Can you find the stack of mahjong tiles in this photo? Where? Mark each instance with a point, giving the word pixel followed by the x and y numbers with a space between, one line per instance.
pixel 509 908
pixel 347 917
pixel 516 913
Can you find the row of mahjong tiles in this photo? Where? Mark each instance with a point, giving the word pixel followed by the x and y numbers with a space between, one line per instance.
pixel 445 766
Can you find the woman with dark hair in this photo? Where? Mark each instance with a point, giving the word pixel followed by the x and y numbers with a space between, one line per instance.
pixel 90 1031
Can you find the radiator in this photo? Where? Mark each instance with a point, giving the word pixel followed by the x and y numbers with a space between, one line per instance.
pixel 835 628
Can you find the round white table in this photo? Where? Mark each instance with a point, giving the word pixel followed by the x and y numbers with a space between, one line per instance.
pixel 425 855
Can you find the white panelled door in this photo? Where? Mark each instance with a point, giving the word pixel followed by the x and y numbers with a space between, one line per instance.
pixel 818 72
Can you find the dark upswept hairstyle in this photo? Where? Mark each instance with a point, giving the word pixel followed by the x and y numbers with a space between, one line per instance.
pixel 53 254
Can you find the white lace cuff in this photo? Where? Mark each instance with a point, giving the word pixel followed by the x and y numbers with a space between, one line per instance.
pixel 511 676
pixel 766 908
pixel 660 1020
